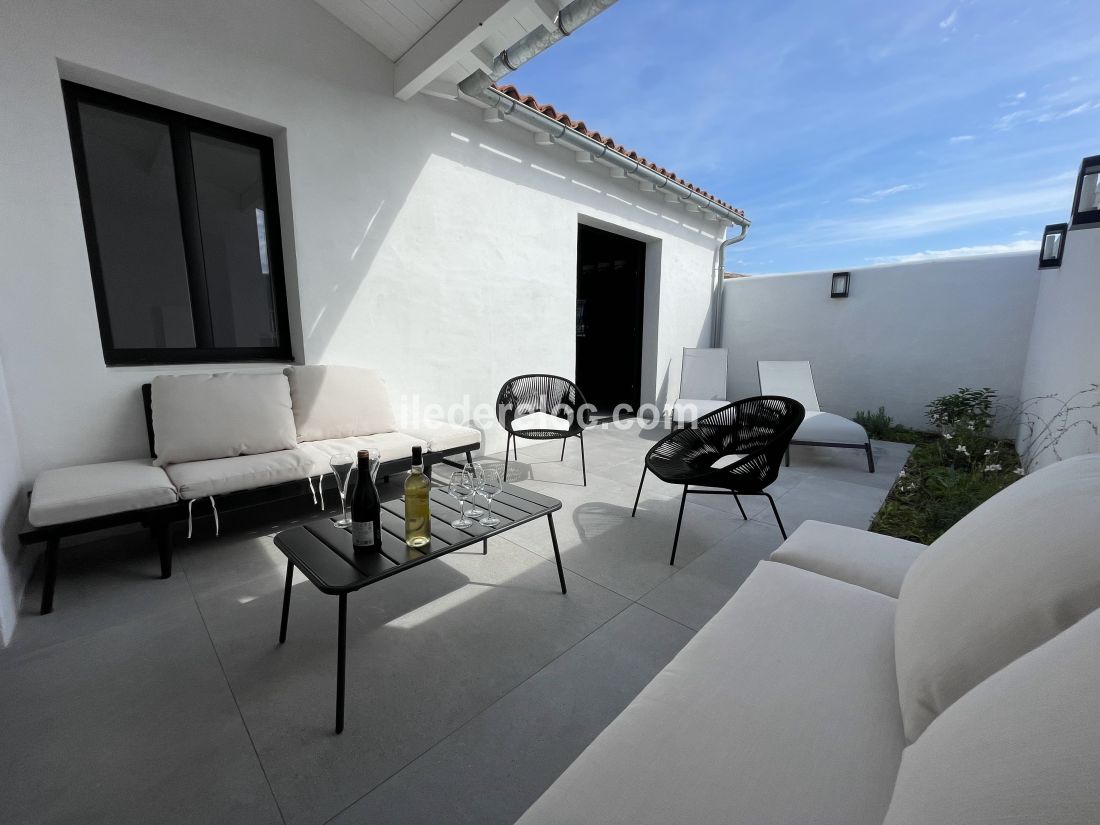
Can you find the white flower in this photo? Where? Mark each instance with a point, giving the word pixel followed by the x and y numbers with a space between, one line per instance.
pixel 948 436
pixel 989 452
pixel 992 468
pixel 901 474
pixel 970 425
pixel 1019 471
pixel 962 449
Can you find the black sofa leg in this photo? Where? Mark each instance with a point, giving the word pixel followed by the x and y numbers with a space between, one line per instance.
pixel 469 458
pixel 788 456
pixel 163 536
pixel 679 518
pixel 53 544
pixel 870 457
pixel 778 520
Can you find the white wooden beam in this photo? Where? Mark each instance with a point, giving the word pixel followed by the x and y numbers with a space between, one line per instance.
pixel 547 12
pixel 465 26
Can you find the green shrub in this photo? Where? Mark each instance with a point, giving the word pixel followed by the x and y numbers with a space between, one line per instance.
pixel 877 424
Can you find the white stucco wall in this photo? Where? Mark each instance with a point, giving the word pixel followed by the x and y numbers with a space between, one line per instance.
pixel 13 509
pixel 1064 354
pixel 906 334
pixel 420 240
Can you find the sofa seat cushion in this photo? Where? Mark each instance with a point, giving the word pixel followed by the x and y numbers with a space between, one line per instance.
pixel 75 493
pixel 858 557
pixel 339 402
pixel 782 710
pixel 1010 575
pixel 391 446
pixel 441 436
pixel 827 428
pixel 1022 747
pixel 198 479
pixel 197 417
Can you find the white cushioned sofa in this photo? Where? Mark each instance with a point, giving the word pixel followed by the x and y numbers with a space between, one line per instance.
pixel 857 679
pixel 247 437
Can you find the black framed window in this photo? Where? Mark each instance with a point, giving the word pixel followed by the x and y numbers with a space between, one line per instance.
pixel 1086 198
pixel 181 217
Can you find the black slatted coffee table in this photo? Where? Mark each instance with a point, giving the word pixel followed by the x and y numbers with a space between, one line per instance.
pixel 324 553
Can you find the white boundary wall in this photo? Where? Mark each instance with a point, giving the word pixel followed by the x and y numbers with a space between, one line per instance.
pixel 1064 356
pixel 906 334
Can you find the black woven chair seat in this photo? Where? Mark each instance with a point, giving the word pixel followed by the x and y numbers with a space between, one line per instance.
pixel 547 435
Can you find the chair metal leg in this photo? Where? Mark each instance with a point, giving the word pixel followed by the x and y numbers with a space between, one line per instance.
pixel 739 507
pixel 163 533
pixel 507 444
pixel 286 601
pixel 515 442
pixel 557 554
pixel 679 518
pixel 778 520
pixel 52 546
pixel 341 661
pixel 788 456
pixel 584 472
pixel 638 497
pixel 563 449
pixel 870 457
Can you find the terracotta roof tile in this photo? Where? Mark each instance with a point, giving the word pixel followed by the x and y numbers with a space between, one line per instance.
pixel 580 127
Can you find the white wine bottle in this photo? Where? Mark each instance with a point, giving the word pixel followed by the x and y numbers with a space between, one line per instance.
pixel 417 514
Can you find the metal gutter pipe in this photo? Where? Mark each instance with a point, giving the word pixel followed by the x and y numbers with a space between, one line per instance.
pixel 716 329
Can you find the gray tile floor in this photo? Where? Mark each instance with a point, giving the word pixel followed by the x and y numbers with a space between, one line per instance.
pixel 472 682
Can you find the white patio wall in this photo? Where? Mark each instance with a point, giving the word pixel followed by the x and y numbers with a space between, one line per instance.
pixel 1064 355
pixel 421 241
pixel 906 334
pixel 12 512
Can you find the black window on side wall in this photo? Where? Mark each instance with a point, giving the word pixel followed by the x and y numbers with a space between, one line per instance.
pixel 182 222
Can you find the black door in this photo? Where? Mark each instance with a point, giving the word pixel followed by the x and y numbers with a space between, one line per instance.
pixel 610 290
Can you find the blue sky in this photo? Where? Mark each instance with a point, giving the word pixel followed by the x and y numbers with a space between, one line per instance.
pixel 851 133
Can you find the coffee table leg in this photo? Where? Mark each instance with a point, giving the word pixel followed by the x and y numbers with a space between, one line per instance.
pixel 341 662
pixel 286 601
pixel 557 555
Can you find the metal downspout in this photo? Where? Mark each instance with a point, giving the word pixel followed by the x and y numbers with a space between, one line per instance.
pixel 716 329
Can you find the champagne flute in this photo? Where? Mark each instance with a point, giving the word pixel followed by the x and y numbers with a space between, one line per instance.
pixel 461 490
pixel 491 486
pixel 476 474
pixel 341 465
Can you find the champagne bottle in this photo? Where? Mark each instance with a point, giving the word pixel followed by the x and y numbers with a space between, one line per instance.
pixel 417 514
pixel 366 523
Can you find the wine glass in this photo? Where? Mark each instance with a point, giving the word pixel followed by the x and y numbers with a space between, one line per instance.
pixel 461 490
pixel 341 465
pixel 477 480
pixel 491 485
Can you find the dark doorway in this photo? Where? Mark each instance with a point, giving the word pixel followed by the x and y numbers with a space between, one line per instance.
pixel 610 290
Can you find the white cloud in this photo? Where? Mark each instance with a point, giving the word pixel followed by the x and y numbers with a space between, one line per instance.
pixel 960 139
pixel 1046 115
pixel 959 252
pixel 879 194
pixel 949 21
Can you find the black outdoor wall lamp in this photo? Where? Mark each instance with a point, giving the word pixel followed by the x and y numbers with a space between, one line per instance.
pixel 1054 243
pixel 1086 200
pixel 840 284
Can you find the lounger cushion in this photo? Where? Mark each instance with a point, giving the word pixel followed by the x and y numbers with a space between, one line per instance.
pixel 782 709
pixel 198 479
pixel 197 417
pixel 339 402
pixel 441 436
pixel 1010 575
pixel 1022 747
pixel 858 557
pixel 687 410
pixel 75 493
pixel 827 428
pixel 391 446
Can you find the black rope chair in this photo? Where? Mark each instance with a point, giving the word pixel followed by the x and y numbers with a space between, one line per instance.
pixel 754 431
pixel 550 394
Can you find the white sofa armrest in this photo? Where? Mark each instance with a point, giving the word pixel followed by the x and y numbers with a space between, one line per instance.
pixel 870 560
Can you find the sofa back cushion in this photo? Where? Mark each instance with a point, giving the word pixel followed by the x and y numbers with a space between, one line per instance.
pixel 339 402
pixel 1022 747
pixel 197 417
pixel 1015 572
